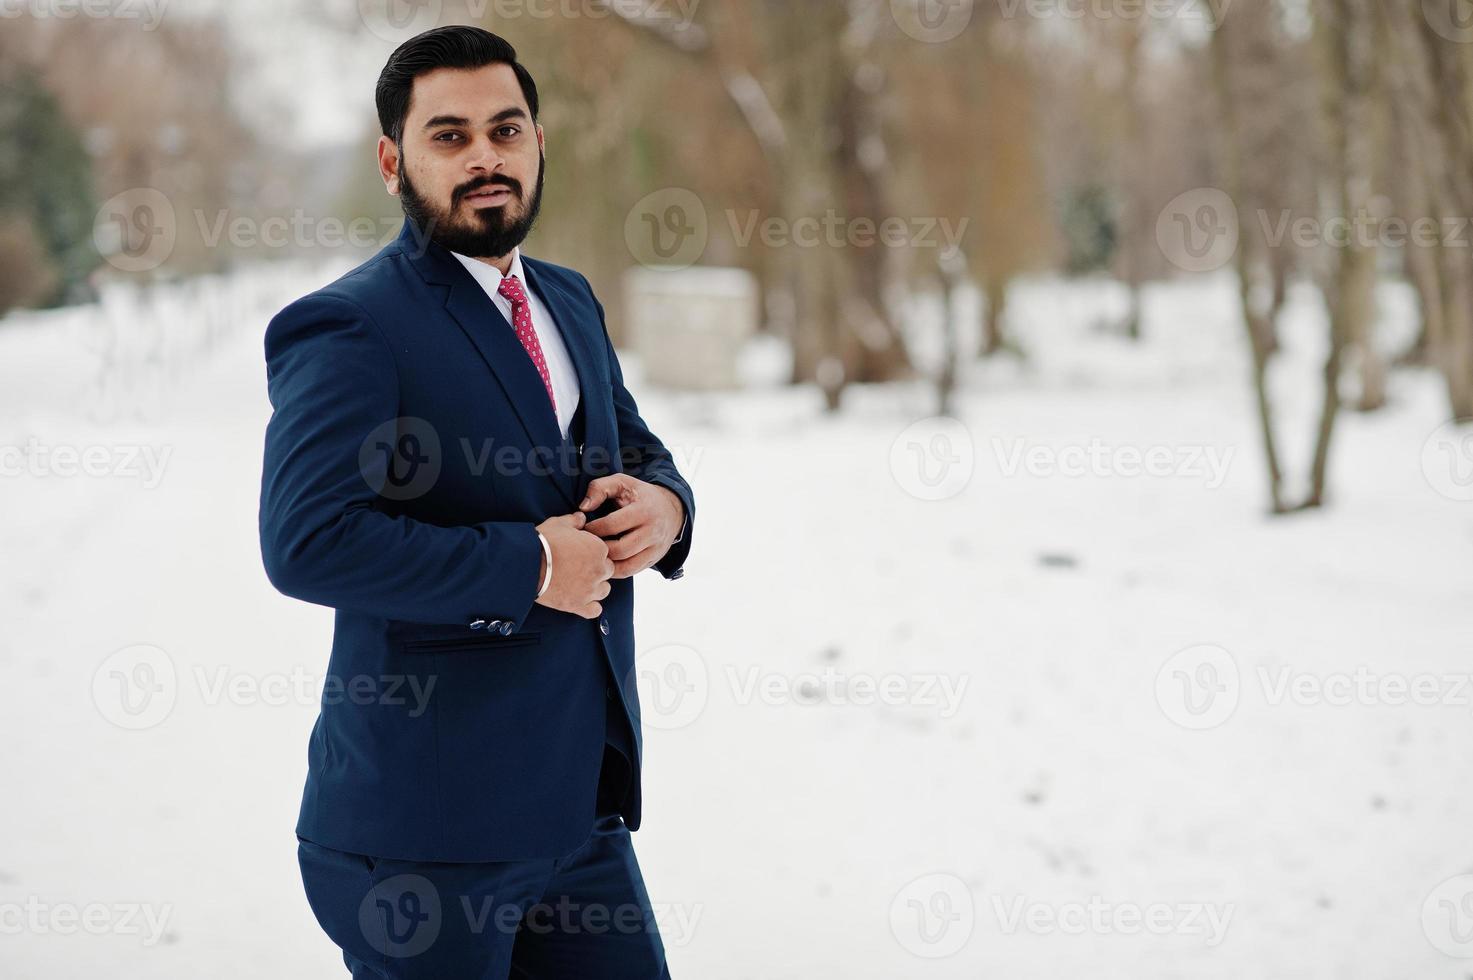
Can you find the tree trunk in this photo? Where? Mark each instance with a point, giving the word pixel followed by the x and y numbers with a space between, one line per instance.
pixel 994 334
pixel 1256 320
pixel 1437 77
pixel 952 267
pixel 1139 226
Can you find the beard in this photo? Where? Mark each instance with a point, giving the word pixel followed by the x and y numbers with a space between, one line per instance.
pixel 485 233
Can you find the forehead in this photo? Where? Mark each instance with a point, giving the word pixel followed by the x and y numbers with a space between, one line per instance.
pixel 474 93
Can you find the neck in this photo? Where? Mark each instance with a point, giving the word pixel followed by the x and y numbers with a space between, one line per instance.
pixel 501 262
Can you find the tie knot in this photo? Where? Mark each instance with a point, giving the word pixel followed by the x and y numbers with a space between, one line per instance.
pixel 511 288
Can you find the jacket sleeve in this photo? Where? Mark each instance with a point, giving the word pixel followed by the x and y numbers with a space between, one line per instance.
pixel 332 382
pixel 644 456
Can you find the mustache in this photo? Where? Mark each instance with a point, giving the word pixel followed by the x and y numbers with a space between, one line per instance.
pixel 512 185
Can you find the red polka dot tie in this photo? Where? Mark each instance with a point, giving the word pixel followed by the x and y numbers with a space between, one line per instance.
pixel 521 319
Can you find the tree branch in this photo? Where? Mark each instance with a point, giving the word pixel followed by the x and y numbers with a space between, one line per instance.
pixel 744 89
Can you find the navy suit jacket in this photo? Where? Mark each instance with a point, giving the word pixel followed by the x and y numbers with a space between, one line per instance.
pixel 411 452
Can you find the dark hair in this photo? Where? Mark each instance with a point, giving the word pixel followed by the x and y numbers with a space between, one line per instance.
pixel 456 46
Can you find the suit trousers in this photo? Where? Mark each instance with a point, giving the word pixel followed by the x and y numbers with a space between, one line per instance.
pixel 583 914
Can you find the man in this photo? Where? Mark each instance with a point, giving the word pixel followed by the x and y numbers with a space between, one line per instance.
pixel 446 417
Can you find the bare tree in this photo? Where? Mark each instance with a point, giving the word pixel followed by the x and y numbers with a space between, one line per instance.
pixel 1238 48
pixel 972 156
pixel 1430 79
pixel 807 80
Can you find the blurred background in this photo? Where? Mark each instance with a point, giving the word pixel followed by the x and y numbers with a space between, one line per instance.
pixel 1078 394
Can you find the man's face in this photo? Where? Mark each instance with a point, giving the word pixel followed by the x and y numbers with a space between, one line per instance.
pixel 470 166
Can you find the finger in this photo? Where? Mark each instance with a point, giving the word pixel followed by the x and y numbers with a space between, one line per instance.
pixel 631 544
pixel 597 494
pixel 604 590
pixel 621 520
pixel 574 520
pixel 591 611
pixel 630 567
pixel 602 489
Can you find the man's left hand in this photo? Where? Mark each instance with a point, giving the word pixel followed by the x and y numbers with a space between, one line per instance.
pixel 648 520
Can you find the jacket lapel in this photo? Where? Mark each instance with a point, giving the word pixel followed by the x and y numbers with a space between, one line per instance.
pixel 579 337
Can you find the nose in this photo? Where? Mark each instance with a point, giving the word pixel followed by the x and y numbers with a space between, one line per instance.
pixel 483 157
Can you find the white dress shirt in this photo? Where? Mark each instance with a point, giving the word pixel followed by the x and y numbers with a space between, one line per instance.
pixel 554 352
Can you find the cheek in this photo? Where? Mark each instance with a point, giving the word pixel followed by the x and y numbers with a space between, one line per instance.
pixel 432 179
pixel 523 166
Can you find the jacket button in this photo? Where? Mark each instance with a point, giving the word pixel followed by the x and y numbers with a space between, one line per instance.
pixel 507 627
pixel 603 626
pixel 678 573
pixel 477 623
pixel 609 692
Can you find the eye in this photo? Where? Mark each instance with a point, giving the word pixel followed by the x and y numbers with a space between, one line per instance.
pixel 507 132
pixel 441 137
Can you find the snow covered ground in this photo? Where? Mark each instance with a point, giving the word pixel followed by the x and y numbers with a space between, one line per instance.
pixel 1071 718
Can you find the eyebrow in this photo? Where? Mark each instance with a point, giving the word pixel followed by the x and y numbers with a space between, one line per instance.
pixel 502 116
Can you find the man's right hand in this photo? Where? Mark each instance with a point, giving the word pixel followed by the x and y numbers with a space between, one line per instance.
pixel 580 567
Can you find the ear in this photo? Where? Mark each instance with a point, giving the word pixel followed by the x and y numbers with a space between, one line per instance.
pixel 389 164
pixel 541 139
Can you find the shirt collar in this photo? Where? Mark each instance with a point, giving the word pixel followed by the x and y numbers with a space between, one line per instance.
pixel 489 276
